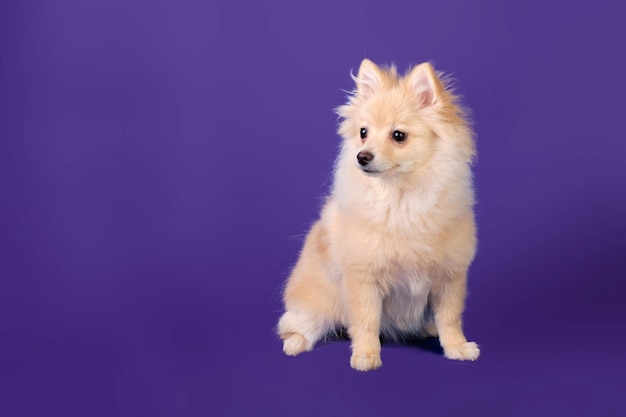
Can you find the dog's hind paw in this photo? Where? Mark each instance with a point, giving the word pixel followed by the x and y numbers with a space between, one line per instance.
pixel 294 344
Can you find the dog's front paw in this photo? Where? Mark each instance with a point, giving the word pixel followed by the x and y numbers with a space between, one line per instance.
pixel 365 361
pixel 294 344
pixel 467 351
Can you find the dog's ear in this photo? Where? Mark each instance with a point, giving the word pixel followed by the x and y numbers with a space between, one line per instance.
pixel 425 83
pixel 368 79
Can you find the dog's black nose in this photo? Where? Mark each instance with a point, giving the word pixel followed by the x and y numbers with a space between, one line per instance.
pixel 364 157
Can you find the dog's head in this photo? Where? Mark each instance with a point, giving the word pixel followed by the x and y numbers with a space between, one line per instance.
pixel 394 124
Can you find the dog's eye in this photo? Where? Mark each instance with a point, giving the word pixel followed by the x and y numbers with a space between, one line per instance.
pixel 398 136
pixel 363 133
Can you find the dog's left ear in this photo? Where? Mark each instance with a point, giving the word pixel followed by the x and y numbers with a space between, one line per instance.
pixel 425 83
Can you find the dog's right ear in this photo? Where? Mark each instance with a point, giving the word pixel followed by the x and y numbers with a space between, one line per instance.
pixel 368 79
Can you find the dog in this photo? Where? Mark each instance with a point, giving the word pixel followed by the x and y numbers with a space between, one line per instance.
pixel 390 252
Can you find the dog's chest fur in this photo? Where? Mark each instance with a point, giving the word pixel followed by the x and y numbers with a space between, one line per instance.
pixel 404 228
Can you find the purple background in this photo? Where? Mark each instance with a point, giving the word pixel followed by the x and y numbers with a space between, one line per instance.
pixel 161 161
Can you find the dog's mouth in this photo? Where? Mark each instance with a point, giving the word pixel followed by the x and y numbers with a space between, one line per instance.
pixel 371 171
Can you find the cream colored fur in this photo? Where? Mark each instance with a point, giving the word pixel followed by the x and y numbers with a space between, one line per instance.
pixel 390 243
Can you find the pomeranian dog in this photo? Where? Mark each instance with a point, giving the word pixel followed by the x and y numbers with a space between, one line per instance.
pixel 390 253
